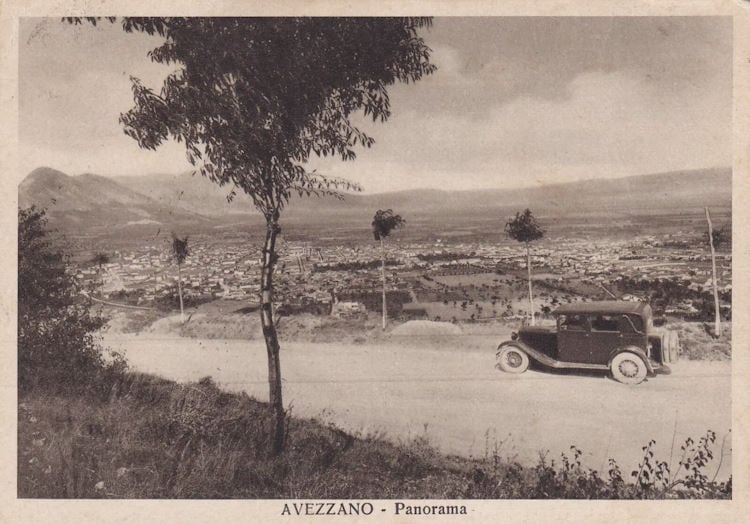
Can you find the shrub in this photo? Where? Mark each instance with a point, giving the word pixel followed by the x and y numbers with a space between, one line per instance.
pixel 57 349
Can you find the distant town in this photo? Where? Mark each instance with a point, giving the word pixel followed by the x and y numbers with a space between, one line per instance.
pixel 436 280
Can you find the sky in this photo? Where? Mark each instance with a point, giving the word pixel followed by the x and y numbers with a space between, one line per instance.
pixel 516 102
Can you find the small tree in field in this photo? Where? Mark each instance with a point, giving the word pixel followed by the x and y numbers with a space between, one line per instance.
pixel 180 252
pixel 383 224
pixel 100 259
pixel 253 99
pixel 524 228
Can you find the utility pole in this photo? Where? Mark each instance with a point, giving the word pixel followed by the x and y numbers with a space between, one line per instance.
pixel 717 311
pixel 382 250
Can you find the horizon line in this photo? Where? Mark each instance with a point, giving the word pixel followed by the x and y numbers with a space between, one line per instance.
pixel 365 192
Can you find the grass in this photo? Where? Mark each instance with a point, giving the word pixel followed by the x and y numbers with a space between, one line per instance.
pixel 152 438
pixel 229 325
pixel 129 321
pixel 698 344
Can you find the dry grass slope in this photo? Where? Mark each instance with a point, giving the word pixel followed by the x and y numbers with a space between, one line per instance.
pixel 151 438
pixel 698 344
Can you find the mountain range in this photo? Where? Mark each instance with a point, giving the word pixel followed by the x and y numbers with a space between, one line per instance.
pixel 89 201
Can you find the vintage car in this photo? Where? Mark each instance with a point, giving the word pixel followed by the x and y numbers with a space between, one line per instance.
pixel 618 336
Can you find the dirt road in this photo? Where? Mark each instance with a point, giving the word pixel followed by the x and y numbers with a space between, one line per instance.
pixel 459 401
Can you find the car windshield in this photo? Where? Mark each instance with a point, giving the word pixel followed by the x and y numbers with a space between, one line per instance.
pixel 636 322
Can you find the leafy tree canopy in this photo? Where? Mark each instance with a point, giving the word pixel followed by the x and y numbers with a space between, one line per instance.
pixel 253 98
pixel 100 259
pixel 384 222
pixel 524 227
pixel 56 346
pixel 180 249
pixel 720 236
pixel 42 281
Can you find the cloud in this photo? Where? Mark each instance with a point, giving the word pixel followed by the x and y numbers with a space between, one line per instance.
pixel 610 124
pixel 105 158
pixel 450 60
pixel 73 85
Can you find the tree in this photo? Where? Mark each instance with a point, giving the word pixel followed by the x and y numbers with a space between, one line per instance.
pixel 715 238
pixel 180 252
pixel 100 259
pixel 383 223
pixel 253 99
pixel 524 228
pixel 56 346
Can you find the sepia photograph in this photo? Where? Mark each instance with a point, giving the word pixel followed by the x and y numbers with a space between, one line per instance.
pixel 374 266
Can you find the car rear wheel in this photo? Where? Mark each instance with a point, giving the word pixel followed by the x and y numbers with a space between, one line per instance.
pixel 512 360
pixel 628 368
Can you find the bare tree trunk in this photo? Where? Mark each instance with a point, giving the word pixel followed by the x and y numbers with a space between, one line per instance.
pixel 179 291
pixel 382 272
pixel 717 310
pixel 531 298
pixel 269 333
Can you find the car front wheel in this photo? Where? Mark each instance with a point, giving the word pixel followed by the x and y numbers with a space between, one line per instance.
pixel 628 368
pixel 512 360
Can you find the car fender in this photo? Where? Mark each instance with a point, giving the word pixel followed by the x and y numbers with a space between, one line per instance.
pixel 530 351
pixel 633 349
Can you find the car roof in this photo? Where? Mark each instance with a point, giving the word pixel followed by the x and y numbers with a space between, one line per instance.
pixel 604 306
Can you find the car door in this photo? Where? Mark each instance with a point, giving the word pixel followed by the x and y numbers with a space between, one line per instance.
pixel 605 337
pixel 573 338
pixel 633 331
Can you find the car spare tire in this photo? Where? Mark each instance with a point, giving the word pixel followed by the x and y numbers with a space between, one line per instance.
pixel 672 346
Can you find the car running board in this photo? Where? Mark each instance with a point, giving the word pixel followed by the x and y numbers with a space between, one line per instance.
pixel 557 364
pixel 552 363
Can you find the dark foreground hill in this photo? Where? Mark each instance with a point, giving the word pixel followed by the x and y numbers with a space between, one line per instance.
pixel 89 200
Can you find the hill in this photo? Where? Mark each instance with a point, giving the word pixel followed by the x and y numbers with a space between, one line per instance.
pixel 667 192
pixel 188 191
pixel 89 201
pixel 170 199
